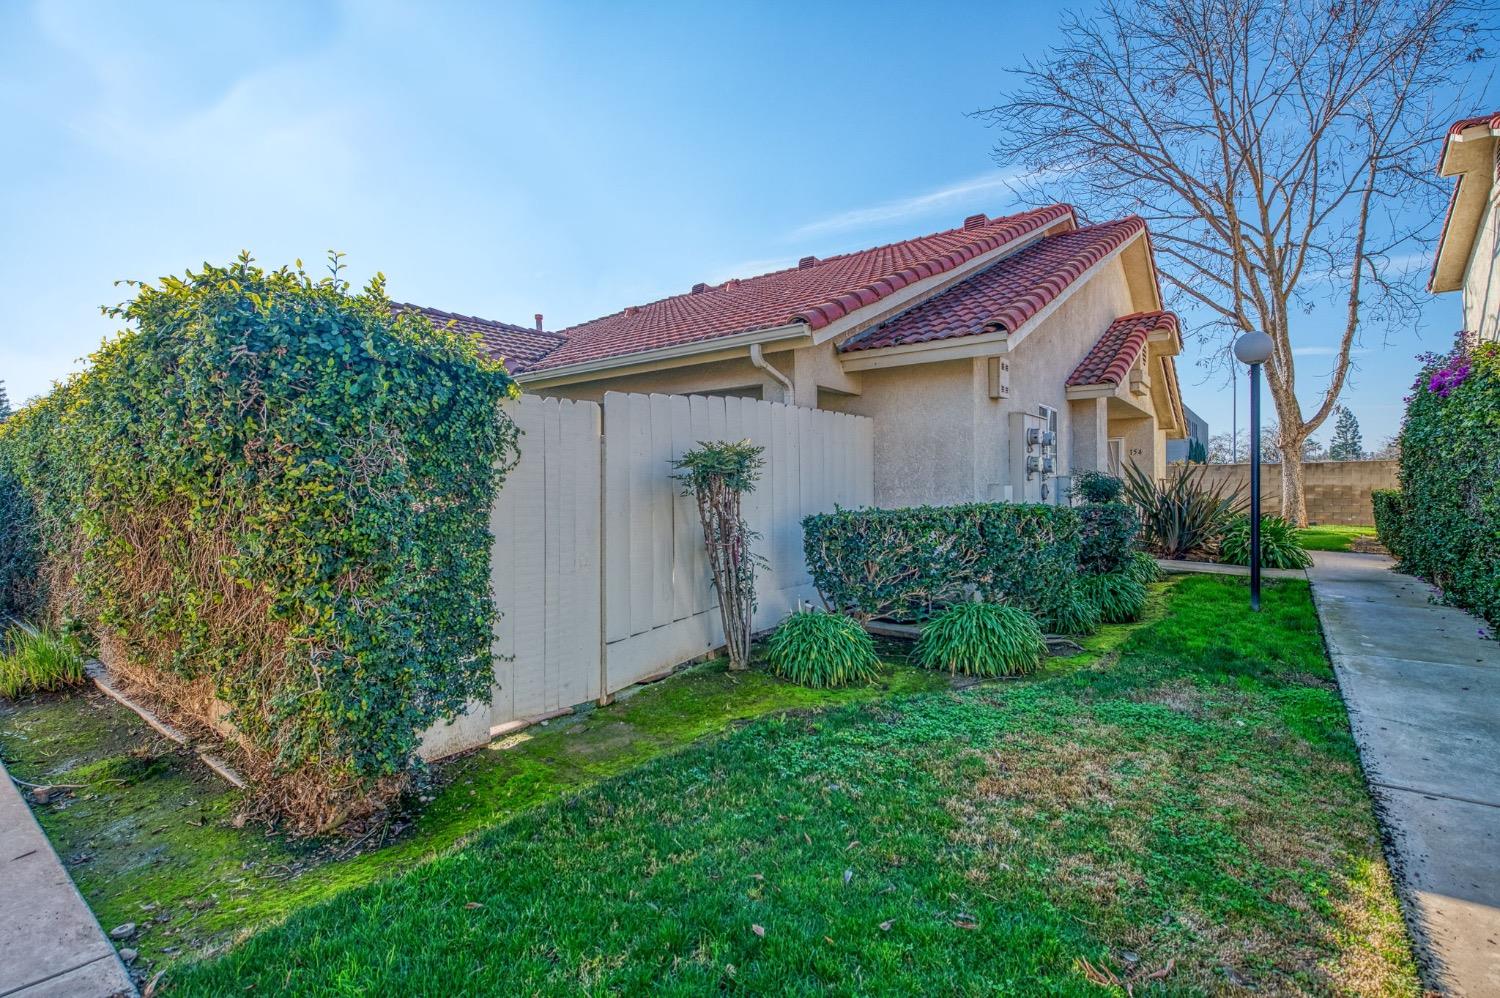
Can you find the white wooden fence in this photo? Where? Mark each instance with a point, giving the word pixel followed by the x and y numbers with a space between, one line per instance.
pixel 598 565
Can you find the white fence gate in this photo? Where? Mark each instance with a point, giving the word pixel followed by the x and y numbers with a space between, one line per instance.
pixel 598 565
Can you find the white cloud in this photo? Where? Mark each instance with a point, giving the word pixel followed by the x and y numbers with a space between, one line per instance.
pixel 963 192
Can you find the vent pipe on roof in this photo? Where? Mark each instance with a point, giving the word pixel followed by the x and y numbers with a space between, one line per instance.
pixel 807 261
pixel 975 221
pixel 539 322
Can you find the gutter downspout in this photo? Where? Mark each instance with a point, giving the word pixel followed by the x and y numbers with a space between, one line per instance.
pixel 758 358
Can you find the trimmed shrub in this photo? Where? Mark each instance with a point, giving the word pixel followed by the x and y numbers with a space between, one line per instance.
pixel 39 663
pixel 908 563
pixel 821 649
pixel 1119 596
pixel 1450 477
pixel 1143 568
pixel 272 495
pixel 1389 507
pixel 1097 486
pixel 1181 517
pixel 1106 539
pixel 1279 545
pixel 1073 612
pixel 19 554
pixel 981 639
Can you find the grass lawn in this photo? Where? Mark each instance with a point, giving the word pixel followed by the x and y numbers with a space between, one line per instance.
pixel 1185 811
pixel 1332 536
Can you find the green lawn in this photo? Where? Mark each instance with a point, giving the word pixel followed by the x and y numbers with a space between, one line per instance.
pixel 1332 536
pixel 1188 804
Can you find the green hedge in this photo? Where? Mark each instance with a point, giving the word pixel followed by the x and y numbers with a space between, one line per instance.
pixel 910 563
pixel 1389 506
pixel 1450 477
pixel 273 490
pixel 1108 531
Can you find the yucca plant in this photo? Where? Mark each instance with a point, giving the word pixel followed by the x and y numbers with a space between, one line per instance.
pixel 1184 515
pixel 1143 568
pixel 1072 612
pixel 1120 597
pixel 39 662
pixel 1279 546
pixel 820 649
pixel 981 639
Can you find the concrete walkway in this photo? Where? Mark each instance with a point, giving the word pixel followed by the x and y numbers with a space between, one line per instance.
pixel 1423 691
pixel 50 944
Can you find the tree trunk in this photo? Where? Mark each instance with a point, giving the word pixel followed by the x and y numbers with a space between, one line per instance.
pixel 1293 496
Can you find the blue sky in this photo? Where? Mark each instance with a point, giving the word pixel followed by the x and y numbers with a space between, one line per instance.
pixel 501 160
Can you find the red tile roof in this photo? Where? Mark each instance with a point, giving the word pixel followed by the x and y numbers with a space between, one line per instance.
pixel 815 292
pixel 1109 361
pixel 1491 120
pixel 1003 296
pixel 519 346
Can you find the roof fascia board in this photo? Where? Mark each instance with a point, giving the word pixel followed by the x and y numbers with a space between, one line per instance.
pixel 681 355
pixel 953 348
pixel 1471 193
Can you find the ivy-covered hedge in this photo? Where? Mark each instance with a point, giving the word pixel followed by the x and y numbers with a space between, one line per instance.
pixel 1107 535
pixel 272 494
pixel 1389 507
pixel 1450 477
pixel 909 563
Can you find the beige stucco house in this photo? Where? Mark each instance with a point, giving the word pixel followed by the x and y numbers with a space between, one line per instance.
pixel 1468 254
pixel 996 359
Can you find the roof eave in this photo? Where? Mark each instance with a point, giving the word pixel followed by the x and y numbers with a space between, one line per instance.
pixel 677 355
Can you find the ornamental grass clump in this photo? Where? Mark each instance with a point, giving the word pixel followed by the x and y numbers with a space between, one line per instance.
pixel 981 639
pixel 1073 612
pixel 1279 546
pixel 43 662
pixel 1183 516
pixel 1120 597
pixel 1143 568
pixel 819 649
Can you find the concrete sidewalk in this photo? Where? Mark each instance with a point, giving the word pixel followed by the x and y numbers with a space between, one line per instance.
pixel 1423 692
pixel 50 944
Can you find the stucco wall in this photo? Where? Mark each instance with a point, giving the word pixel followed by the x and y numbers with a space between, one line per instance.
pixel 1337 491
pixel 924 431
pixel 1481 292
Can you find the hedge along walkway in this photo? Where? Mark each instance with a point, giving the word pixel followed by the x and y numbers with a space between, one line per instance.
pixel 50 943
pixel 1423 690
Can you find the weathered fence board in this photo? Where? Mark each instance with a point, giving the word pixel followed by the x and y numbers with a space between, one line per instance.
pixel 598 566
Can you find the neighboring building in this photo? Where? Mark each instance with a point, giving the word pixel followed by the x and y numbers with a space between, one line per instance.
pixel 1197 437
pixel 1468 253
pixel 996 359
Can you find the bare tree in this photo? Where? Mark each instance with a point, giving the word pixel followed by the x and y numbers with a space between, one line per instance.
pixel 1279 150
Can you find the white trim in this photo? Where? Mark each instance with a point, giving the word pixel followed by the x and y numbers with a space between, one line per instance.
pixel 953 348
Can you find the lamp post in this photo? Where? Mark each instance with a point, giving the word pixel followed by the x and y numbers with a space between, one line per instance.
pixel 1254 349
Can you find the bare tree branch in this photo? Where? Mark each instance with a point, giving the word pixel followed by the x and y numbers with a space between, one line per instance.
pixel 1271 145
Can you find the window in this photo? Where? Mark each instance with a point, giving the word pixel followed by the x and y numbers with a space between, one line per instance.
pixel 1117 456
pixel 1049 414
